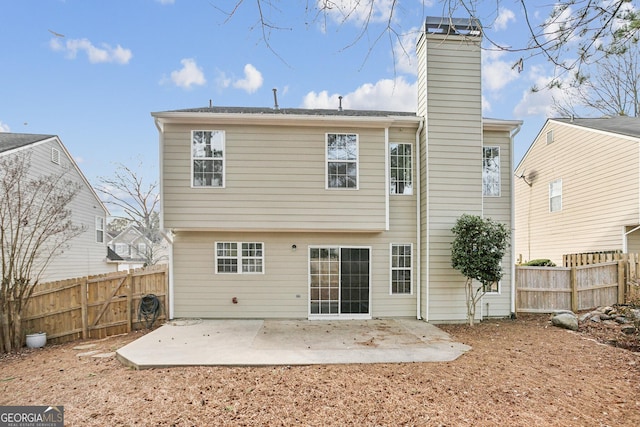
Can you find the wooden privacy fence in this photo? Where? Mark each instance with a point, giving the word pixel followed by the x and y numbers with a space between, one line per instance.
pixel 94 306
pixel 546 289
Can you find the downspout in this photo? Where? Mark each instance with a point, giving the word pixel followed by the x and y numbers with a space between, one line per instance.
pixel 513 222
pixel 168 236
pixel 418 223
pixel 386 177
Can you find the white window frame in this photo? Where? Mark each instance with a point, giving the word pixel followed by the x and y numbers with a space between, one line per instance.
pixel 118 248
pixel 55 155
pixel 99 223
pixel 393 182
pixel 486 185
pixel 555 191
pixel 141 248
pixel 212 158
pixel 239 257
pixel 498 291
pixel 346 161
pixel 400 268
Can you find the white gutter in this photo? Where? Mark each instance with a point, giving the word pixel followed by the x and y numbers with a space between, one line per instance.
pixel 513 221
pixel 418 250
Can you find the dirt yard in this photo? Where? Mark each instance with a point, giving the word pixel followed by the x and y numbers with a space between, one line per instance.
pixel 519 373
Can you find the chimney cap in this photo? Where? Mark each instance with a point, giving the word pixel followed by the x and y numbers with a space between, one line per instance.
pixel 453 26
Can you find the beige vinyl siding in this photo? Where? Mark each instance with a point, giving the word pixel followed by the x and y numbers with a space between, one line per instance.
pixel 274 180
pixel 599 175
pixel 453 126
pixel 499 209
pixel 283 290
pixel 83 256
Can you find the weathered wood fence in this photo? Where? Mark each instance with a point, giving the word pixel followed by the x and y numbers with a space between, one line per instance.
pixel 586 281
pixel 95 306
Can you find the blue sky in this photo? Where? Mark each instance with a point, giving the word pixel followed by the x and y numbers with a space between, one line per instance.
pixel 92 71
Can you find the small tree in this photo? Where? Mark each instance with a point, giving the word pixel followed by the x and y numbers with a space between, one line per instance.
pixel 35 227
pixel 477 250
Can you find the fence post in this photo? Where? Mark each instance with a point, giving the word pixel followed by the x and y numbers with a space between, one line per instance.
pixel 621 282
pixel 84 289
pixel 574 289
pixel 130 309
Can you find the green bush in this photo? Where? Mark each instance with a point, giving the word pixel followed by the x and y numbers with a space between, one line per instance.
pixel 540 263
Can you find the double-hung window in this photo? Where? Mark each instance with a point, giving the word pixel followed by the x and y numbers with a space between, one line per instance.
pixel 239 257
pixel 207 158
pixel 401 269
pixel 99 229
pixel 491 171
pixel 342 160
pixel 555 196
pixel 401 169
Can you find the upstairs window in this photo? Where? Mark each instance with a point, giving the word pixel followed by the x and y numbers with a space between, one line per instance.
pixel 491 171
pixel 122 249
pixel 142 249
pixel 207 158
pixel 99 229
pixel 342 160
pixel 401 172
pixel 550 136
pixel 555 196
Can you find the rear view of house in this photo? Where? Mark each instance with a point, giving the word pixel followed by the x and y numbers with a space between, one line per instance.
pixel 85 254
pixel 578 189
pixel 336 214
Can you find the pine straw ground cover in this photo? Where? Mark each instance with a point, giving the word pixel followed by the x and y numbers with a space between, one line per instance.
pixel 519 373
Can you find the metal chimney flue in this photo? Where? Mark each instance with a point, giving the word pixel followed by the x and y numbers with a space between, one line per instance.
pixel 275 98
pixel 340 103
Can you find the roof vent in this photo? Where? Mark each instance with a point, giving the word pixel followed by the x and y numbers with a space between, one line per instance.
pixel 210 103
pixel 275 98
pixel 340 103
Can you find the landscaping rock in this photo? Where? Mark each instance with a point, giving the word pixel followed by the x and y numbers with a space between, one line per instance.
pixel 628 329
pixel 565 319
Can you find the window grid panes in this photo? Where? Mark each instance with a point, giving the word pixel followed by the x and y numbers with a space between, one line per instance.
pixel 207 154
pixel 250 257
pixel 555 196
pixel 401 269
pixel 401 172
pixel 99 230
pixel 491 171
pixel 342 160
pixel 324 268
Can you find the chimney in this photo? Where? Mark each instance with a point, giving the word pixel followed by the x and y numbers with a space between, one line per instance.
pixel 275 98
pixel 340 103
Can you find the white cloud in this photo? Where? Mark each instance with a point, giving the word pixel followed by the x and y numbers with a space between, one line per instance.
pixel 556 27
pixel 540 103
pixel 4 127
pixel 96 55
pixel 357 10
pixel 504 17
pixel 252 80
pixel 386 94
pixel 496 73
pixel 405 52
pixel 166 1
pixel 486 105
pixel 190 74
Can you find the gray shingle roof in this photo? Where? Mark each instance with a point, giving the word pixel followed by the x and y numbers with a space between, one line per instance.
pixel 10 141
pixel 622 125
pixel 294 111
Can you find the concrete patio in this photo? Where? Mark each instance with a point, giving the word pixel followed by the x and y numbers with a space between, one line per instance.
pixel 199 342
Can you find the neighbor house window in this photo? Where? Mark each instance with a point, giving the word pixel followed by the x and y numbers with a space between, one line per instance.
pixel 550 136
pixel 207 158
pixel 342 160
pixel 491 171
pixel 401 169
pixel 99 229
pixel 401 269
pixel 142 249
pixel 239 257
pixel 122 249
pixel 55 155
pixel 493 288
pixel 555 196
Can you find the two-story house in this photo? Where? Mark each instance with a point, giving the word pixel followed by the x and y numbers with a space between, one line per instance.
pixel 85 254
pixel 131 249
pixel 578 189
pixel 337 214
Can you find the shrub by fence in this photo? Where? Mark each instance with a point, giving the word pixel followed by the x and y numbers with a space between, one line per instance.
pixel 94 306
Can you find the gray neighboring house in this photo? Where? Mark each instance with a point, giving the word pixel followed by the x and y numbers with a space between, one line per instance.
pixel 334 213
pixel 579 189
pixel 87 253
pixel 131 249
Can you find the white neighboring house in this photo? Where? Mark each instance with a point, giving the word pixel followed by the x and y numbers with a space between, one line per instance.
pixel 131 249
pixel 86 254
